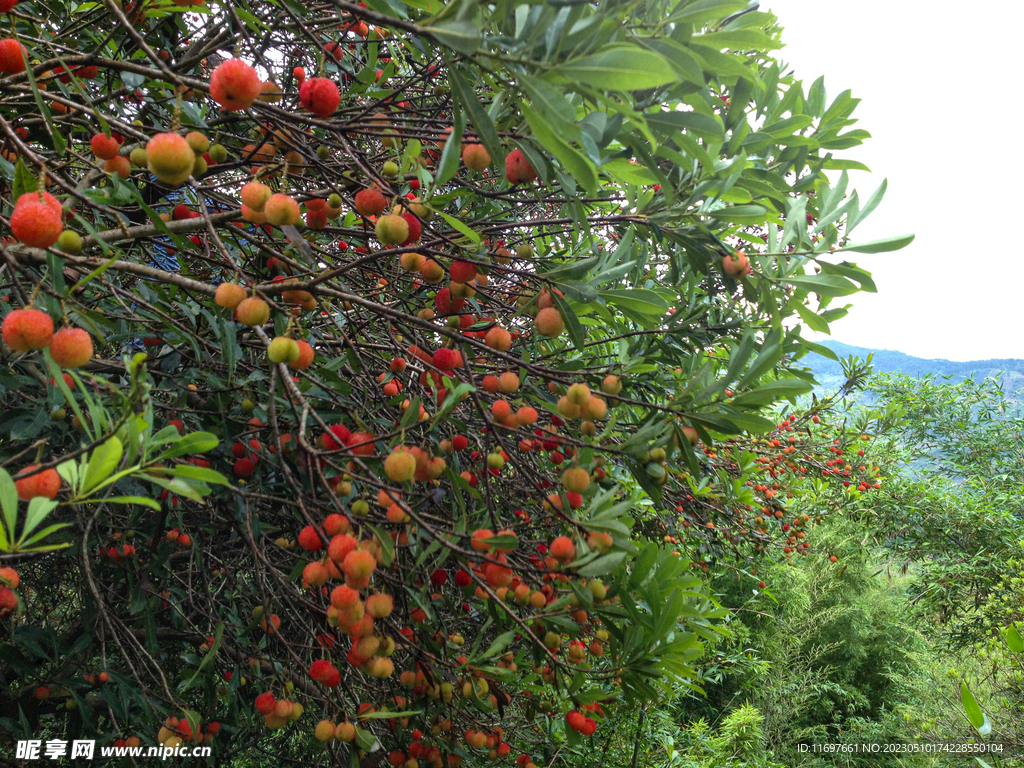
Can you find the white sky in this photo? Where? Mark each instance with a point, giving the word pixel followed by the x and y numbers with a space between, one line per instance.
pixel 939 84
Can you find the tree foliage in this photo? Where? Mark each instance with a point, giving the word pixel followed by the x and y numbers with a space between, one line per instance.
pixel 517 382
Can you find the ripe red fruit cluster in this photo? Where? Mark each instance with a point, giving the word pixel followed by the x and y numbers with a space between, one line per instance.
pixel 580 722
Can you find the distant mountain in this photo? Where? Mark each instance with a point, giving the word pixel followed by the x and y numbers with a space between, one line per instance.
pixel 829 373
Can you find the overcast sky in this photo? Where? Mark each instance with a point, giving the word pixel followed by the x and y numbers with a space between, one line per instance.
pixel 940 90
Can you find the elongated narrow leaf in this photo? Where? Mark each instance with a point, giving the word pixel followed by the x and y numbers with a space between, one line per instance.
pixel 581 169
pixel 1013 639
pixel 620 68
pixel 881 246
pixel 974 713
pixel 637 300
pixel 823 285
pixel 469 101
pixel 462 36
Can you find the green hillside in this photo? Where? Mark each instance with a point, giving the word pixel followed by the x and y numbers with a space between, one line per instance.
pixel 829 373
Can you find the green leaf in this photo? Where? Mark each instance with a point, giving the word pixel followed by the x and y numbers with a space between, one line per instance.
pixel 603 565
pixel 499 644
pixel 1013 639
pixel 880 246
pixel 708 10
pixel 631 173
pixel 202 474
pixel 823 285
pixel 974 713
pixel 553 106
pixel 24 181
pixel 195 442
pixel 814 321
pixel 103 461
pixel 458 225
pixel 126 500
pixel 38 509
pixel 637 300
pixel 448 166
pixel 572 323
pixel 741 214
pixel 412 413
pixel 581 169
pixel 774 390
pixel 462 36
pixel 469 100
pixel 8 503
pixel 621 67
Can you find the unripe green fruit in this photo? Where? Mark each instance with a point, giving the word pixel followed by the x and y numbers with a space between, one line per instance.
pixel 334 200
pixel 218 153
pixel 283 350
pixel 59 414
pixel 453 321
pixel 200 167
pixel 360 508
pixel 323 152
pixel 389 170
pixel 69 242
pixel 197 141
pixel 495 461
pixel 248 406
pixel 524 252
pixel 138 157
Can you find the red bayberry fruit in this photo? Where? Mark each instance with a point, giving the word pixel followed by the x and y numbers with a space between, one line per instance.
pixel 235 85
pixel 320 96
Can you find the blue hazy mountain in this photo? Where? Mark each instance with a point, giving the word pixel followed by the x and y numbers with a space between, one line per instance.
pixel 829 373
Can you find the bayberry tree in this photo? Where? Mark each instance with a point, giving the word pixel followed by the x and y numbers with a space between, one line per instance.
pixel 356 357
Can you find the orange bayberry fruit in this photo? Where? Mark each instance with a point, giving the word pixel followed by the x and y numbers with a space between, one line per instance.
pixel 253 311
pixel 281 210
pixel 498 339
pixel 255 194
pixel 27 329
pixel 229 295
pixel 358 565
pixel 104 147
pixel 475 157
pixel 235 85
pixel 380 606
pixel 549 322
pixel 170 158
pixel 35 222
pixel 370 202
pixel 576 480
pixel 71 348
pixel 400 465
pixel 306 355
pixel 562 549
pixel 45 483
